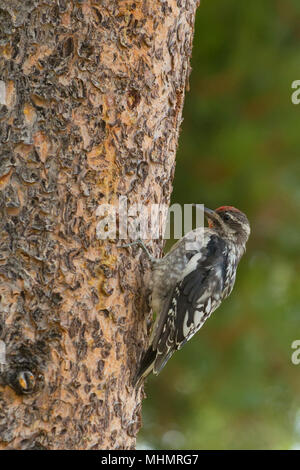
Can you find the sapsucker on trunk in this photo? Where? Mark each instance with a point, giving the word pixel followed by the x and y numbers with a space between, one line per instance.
pixel 191 281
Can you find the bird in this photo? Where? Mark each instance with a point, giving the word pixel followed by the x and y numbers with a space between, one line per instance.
pixel 190 282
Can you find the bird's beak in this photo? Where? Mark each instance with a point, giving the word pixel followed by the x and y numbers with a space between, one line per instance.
pixel 211 215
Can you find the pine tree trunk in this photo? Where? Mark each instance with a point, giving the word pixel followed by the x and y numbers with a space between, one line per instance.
pixel 91 96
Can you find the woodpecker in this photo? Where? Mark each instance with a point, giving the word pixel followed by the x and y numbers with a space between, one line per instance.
pixel 189 283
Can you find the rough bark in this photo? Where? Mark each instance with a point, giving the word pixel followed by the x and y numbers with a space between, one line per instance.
pixel 91 97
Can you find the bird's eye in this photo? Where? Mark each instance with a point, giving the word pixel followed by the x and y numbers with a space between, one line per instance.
pixel 226 217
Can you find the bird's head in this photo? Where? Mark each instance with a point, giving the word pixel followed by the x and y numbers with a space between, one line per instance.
pixel 230 222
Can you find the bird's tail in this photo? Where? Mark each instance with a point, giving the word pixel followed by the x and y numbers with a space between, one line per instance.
pixel 145 366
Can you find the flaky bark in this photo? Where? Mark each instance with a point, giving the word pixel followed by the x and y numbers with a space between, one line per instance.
pixel 91 97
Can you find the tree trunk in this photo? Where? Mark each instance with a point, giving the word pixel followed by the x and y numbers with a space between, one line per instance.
pixel 91 96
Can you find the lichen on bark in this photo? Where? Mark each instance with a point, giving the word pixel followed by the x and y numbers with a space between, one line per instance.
pixel 91 96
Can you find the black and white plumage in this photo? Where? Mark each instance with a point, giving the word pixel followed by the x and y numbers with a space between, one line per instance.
pixel 190 282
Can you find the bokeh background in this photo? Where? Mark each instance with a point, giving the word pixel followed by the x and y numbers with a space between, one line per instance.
pixel 234 386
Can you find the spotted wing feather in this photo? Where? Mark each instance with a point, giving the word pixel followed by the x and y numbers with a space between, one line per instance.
pixel 193 299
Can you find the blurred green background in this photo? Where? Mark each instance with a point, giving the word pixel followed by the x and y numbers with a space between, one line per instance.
pixel 233 385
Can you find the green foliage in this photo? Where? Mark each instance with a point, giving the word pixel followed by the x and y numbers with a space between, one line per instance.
pixel 233 385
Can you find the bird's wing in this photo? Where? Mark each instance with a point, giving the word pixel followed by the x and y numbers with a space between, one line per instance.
pixel 193 299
